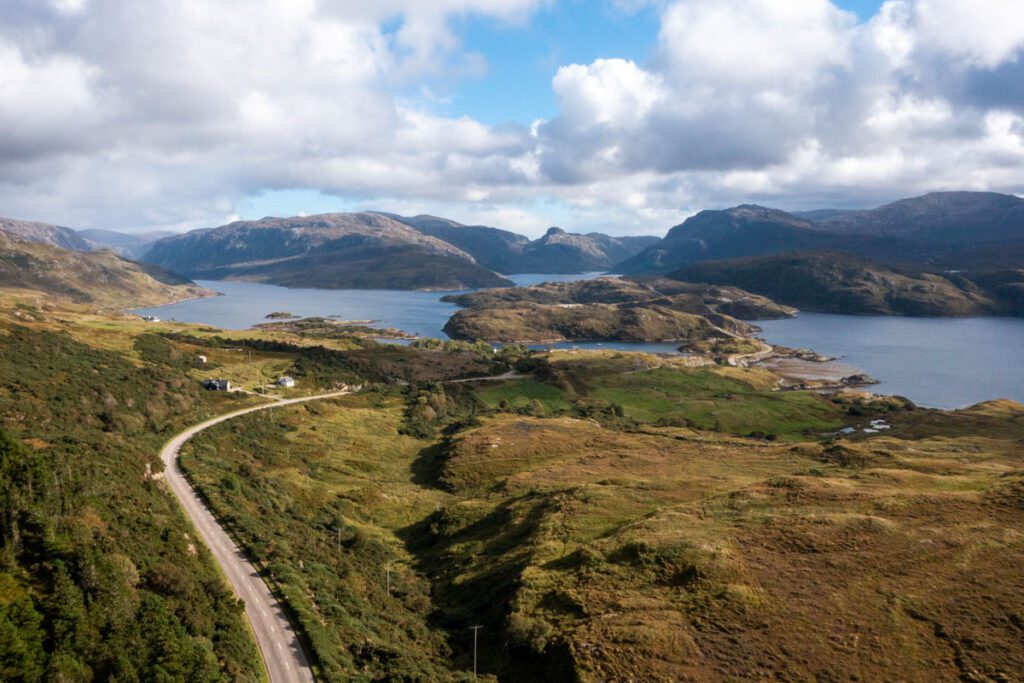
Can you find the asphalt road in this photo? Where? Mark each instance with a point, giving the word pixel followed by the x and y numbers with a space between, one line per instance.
pixel 279 645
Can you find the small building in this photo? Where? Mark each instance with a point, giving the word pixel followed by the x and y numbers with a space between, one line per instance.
pixel 286 382
pixel 151 318
pixel 201 359
pixel 217 384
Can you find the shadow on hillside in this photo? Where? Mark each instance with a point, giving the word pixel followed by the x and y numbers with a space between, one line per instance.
pixel 475 570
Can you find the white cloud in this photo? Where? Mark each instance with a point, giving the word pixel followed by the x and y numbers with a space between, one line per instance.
pixel 46 103
pixel 192 105
pixel 171 112
pixel 797 102
pixel 984 32
pixel 610 91
pixel 726 42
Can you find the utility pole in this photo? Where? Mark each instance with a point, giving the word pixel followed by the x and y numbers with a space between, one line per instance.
pixel 476 630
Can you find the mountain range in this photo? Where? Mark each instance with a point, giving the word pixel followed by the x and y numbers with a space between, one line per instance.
pixel 835 282
pixel 946 230
pixel 370 250
pixel 557 251
pixel 330 251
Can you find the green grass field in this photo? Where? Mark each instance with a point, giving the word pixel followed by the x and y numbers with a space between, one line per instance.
pixel 705 400
pixel 521 393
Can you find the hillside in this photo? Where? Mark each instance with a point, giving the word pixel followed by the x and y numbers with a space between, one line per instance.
pixel 741 231
pixel 58 236
pixel 101 577
pixel 499 250
pixel 344 250
pixel 623 517
pixel 602 515
pixel 936 218
pixel 556 252
pixel 948 230
pixel 607 309
pixel 98 278
pixel 834 282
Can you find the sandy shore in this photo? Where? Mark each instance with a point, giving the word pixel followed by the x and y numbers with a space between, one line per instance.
pixel 809 371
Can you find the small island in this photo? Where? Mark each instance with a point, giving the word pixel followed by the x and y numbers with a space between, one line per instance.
pixel 327 328
pixel 280 315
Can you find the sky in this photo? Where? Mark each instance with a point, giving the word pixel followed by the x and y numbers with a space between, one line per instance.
pixel 623 116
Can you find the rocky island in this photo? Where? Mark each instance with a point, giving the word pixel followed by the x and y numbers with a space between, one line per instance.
pixel 649 310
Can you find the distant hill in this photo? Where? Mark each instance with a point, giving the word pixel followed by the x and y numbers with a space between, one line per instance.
pixel 833 282
pixel 101 278
pixel 340 250
pixel 936 218
pixel 559 251
pixel 33 231
pixel 499 250
pixel 133 246
pixel 507 252
pixel 747 230
pixel 950 230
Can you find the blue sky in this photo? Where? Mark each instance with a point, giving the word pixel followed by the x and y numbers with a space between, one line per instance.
pixel 521 60
pixel 515 113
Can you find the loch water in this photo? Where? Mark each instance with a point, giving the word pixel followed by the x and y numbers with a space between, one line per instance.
pixel 937 362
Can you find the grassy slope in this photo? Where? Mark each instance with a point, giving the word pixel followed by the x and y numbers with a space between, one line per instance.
pixel 315 494
pixel 601 519
pixel 649 557
pixel 609 547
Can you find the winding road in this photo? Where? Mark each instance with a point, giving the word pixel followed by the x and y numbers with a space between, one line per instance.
pixel 278 642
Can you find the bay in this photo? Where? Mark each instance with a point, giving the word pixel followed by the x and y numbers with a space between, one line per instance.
pixel 936 362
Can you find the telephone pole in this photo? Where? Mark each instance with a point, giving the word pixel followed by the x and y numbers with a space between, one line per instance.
pixel 476 630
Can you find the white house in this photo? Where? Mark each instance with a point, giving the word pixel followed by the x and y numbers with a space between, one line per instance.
pixel 286 382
